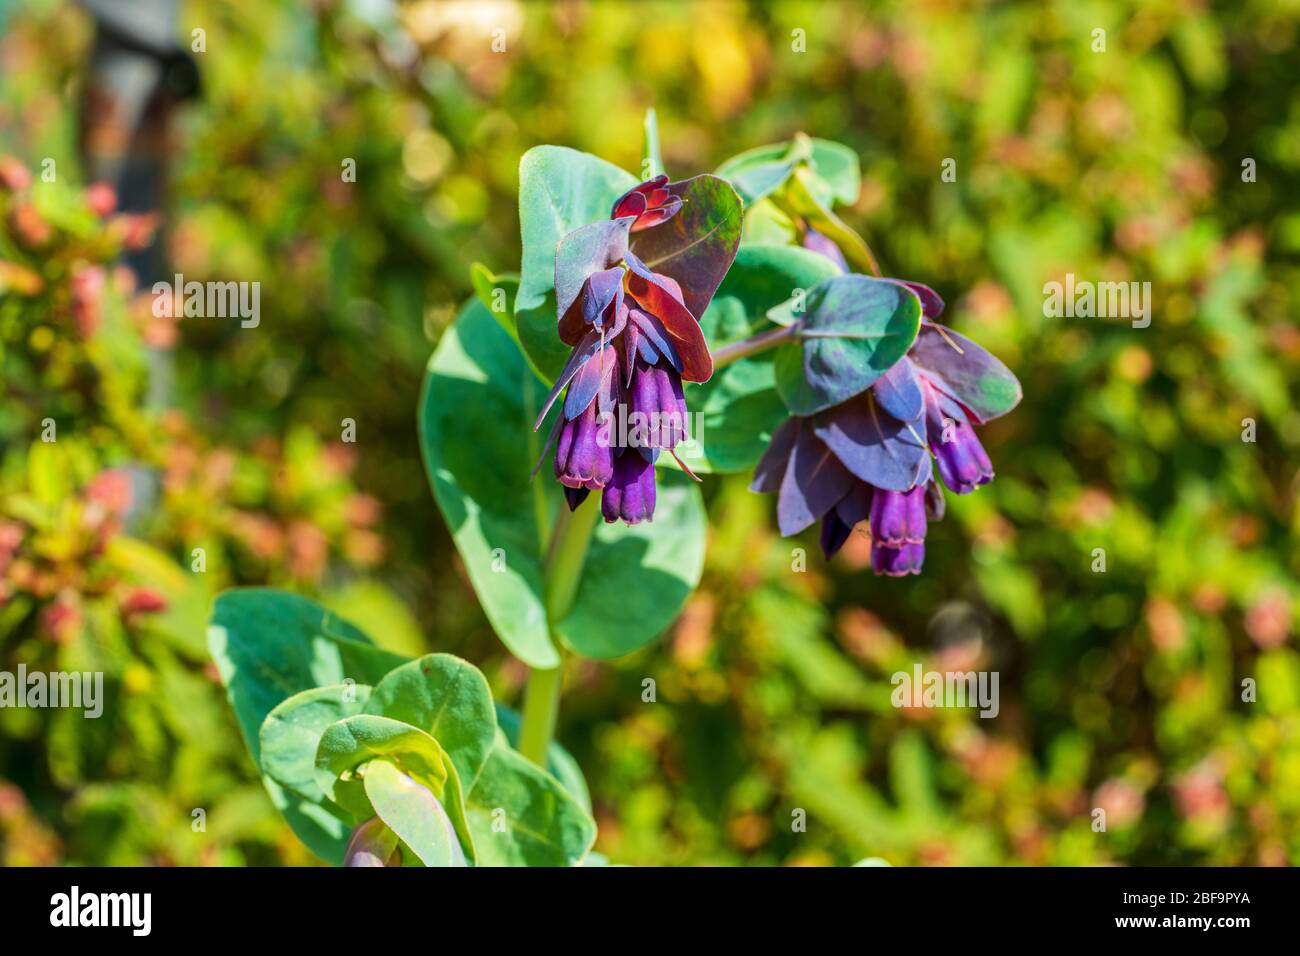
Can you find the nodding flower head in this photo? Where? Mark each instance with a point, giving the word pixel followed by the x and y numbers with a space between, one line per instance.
pixel 634 339
pixel 634 342
pixel 650 203
pixel 803 465
pixel 868 460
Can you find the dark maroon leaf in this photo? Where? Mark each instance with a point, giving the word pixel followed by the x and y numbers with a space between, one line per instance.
pixel 581 253
pixel 899 391
pixel 771 467
pixel 931 304
pixel 585 385
pixel 876 447
pixel 814 482
pixel 579 357
pixel 659 296
pixel 696 246
pixel 966 371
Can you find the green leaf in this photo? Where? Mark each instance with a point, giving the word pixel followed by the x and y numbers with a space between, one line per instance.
pixel 292 731
pixel 739 407
pixel 497 293
pixel 269 645
pixel 448 699
pixel 520 815
pixel 558 760
pixel 350 743
pixel 476 431
pixel 766 222
pixel 803 197
pixel 759 172
pixel 836 166
pixel 376 608
pixel 414 814
pixel 855 328
pixel 560 189
pixel 476 426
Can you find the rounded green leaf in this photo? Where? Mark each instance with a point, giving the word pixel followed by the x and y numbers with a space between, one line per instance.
pixel 558 760
pixel 448 699
pixel 497 293
pixel 414 814
pixel 476 427
pixel 350 742
pixel 292 731
pixel 759 172
pixel 854 329
pixel 520 815
pixel 269 645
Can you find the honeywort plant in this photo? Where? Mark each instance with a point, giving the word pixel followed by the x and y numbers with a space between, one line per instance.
pixel 731 294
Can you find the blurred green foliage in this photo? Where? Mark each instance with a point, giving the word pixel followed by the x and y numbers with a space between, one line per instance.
pixel 1120 690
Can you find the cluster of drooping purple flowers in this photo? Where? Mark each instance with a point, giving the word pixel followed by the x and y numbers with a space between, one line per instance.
pixel 869 459
pixel 634 342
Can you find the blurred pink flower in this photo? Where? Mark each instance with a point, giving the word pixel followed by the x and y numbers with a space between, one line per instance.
pixel 29 226
pixel 101 198
pixel 1268 619
pixel 111 490
pixel 14 176
pixel 1122 801
pixel 62 619
pixel 1199 794
pixel 1165 622
pixel 88 298
pixel 142 601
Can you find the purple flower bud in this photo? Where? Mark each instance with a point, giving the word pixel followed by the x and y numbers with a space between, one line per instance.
pixel 630 494
pixel 372 844
pixel 581 459
pixel 898 517
pixel 658 405
pixel 815 241
pixel 897 562
pixel 963 463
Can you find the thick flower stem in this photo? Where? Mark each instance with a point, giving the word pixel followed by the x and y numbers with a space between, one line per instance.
pixel 541 706
pixel 564 560
pixel 753 345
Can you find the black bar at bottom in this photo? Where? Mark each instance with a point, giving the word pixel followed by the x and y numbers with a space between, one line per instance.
pixel 331 906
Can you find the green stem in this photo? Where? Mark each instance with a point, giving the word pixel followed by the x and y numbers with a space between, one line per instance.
pixel 541 706
pixel 566 555
pixel 753 345
pixel 652 161
pixel 563 571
